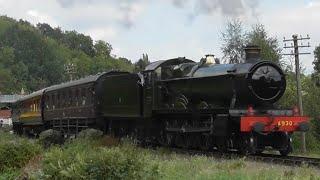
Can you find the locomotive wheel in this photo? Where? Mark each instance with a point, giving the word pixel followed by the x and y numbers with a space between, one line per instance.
pixel 162 139
pixel 169 139
pixel 134 136
pixel 180 105
pixel 203 105
pixel 222 148
pixel 206 142
pixel 221 144
pixel 197 141
pixel 191 141
pixel 248 145
pixel 287 150
pixel 188 141
pixel 178 140
pixel 259 151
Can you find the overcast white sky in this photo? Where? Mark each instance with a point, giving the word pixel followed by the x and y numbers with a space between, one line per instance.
pixel 171 28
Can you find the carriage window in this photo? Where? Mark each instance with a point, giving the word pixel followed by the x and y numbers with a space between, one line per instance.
pixel 83 96
pixel 54 100
pixel 63 99
pixel 77 97
pixel 50 101
pixel 89 95
pixel 58 100
pixel 47 101
pixel 66 98
pixel 70 100
pixel 36 105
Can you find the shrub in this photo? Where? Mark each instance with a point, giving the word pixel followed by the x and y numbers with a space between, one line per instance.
pixel 50 137
pixel 81 159
pixel 16 153
pixel 10 174
pixel 6 129
pixel 90 134
pixel 5 136
pixel 312 144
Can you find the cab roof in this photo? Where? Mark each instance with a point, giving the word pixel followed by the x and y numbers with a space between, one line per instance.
pixel 159 63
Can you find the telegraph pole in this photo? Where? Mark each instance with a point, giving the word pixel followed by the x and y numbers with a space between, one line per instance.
pixel 70 70
pixel 296 54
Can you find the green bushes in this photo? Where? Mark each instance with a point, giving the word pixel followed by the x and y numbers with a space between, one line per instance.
pixel 10 174
pixel 87 158
pixel 90 134
pixel 15 152
pixel 50 137
pixel 83 159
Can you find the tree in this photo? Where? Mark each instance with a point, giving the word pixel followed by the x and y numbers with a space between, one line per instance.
pixel 34 57
pixel 46 30
pixel 35 64
pixel 102 48
pixel 316 61
pixel 7 57
pixel 233 42
pixel 270 49
pixel 7 80
pixel 142 63
pixel 78 41
pixel 316 67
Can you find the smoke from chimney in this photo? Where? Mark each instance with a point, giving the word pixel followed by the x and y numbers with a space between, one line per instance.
pixel 229 8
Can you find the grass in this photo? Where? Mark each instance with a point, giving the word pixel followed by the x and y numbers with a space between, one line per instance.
pixel 199 167
pixel 105 158
pixel 15 152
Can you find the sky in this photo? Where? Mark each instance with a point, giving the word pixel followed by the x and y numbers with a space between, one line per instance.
pixel 172 28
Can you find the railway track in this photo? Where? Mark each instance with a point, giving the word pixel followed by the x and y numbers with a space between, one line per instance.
pixel 287 160
pixel 268 158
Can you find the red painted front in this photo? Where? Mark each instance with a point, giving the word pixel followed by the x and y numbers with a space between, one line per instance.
pixel 272 123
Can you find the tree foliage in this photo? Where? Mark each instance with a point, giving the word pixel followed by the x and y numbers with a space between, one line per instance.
pixel 34 57
pixel 316 61
pixel 233 42
pixel 142 63
pixel 235 39
pixel 270 49
pixel 102 48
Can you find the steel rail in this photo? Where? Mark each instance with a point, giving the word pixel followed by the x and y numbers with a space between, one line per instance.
pixel 269 158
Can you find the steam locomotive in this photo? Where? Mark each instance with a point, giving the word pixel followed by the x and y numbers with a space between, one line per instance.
pixel 175 102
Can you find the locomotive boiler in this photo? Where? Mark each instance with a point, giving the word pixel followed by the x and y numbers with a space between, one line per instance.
pixel 211 85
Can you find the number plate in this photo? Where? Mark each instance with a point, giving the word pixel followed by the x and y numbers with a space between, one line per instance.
pixel 285 123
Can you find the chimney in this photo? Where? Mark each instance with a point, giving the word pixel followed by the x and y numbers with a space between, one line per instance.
pixel 252 53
